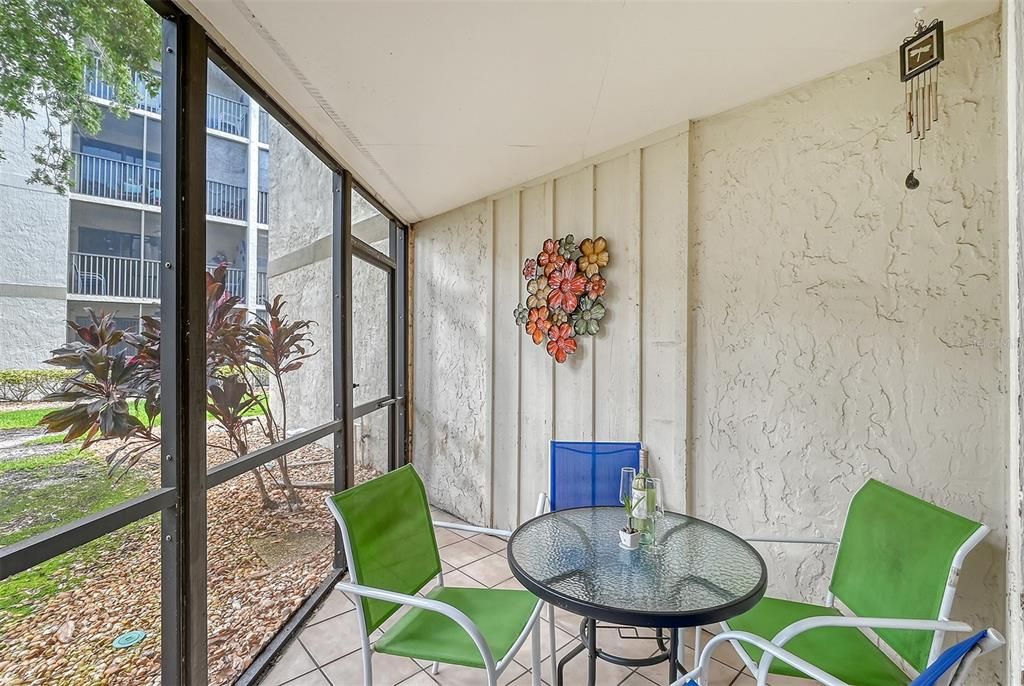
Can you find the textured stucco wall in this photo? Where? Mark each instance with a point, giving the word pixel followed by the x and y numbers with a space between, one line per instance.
pixel 33 257
pixel 300 269
pixel 452 412
pixel 844 327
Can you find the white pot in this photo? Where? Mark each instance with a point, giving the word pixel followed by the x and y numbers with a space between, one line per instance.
pixel 629 541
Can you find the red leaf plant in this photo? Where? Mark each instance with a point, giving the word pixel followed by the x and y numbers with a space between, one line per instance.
pixel 114 392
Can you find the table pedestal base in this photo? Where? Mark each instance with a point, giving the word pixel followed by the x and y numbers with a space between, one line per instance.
pixel 588 642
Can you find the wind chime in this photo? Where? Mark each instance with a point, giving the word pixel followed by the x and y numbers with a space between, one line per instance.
pixel 920 56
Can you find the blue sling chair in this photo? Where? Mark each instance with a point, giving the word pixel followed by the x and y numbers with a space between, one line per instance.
pixel 584 474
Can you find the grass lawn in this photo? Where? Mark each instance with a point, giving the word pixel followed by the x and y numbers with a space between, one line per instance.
pixel 26 419
pixel 40 492
pixel 22 419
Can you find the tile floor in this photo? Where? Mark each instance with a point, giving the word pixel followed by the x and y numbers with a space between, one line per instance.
pixel 327 652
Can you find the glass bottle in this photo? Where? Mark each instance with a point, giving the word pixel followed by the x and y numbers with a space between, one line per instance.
pixel 643 501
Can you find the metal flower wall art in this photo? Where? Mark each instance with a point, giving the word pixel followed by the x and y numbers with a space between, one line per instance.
pixel 565 294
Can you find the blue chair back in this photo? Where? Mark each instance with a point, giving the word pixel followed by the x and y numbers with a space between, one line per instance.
pixel 587 474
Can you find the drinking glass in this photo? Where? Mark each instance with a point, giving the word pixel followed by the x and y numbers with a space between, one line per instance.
pixel 626 491
pixel 659 503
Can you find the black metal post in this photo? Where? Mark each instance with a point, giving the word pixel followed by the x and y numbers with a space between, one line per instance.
pixel 182 353
pixel 344 448
pixel 399 342
pixel 673 666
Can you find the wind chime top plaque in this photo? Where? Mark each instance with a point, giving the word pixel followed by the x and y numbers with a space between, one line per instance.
pixel 922 51
pixel 920 54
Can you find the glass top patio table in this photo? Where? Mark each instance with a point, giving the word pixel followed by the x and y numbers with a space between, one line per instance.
pixel 694 574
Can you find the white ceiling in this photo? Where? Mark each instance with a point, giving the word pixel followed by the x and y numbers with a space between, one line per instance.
pixel 436 104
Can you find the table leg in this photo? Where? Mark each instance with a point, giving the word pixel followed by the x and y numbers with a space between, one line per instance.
pixel 673 671
pixel 591 652
pixel 576 650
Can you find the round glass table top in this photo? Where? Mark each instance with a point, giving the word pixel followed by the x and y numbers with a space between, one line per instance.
pixel 695 573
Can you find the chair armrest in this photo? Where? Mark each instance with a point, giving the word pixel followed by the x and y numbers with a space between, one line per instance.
pixel 790 539
pixel 445 609
pixel 500 533
pixel 800 626
pixel 459 526
pixel 765 645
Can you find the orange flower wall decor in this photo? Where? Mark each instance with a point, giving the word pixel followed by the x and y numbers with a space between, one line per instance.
pixel 565 294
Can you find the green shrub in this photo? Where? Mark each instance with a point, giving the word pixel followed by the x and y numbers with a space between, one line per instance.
pixel 22 384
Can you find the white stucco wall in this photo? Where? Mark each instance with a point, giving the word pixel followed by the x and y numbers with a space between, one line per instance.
pixel 33 256
pixel 844 327
pixel 300 269
pixel 839 327
pixel 1013 40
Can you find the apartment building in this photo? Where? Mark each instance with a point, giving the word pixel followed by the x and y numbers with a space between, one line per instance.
pixel 99 246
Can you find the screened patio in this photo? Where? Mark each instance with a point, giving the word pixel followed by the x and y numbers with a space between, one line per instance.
pixel 727 252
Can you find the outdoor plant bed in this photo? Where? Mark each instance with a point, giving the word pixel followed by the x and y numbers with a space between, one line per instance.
pixel 261 565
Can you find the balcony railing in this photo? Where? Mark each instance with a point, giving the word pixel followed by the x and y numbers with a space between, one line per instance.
pixel 222 114
pixel 225 200
pixel 229 116
pixel 107 178
pixel 264 133
pixel 261 288
pixel 262 206
pixel 109 276
pixel 96 86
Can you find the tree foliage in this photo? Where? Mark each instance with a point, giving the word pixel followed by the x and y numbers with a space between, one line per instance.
pixel 47 45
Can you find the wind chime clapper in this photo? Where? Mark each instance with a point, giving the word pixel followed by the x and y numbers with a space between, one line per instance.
pixel 920 55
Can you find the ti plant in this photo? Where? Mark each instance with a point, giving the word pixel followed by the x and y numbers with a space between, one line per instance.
pixel 108 384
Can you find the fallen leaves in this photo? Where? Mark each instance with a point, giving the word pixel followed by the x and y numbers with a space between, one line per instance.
pixel 68 639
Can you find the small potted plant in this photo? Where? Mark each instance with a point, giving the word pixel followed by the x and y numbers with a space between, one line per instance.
pixel 629 538
pixel 629 535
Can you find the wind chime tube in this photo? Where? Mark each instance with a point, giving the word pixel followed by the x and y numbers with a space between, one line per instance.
pixel 935 96
pixel 910 107
pixel 927 101
pixel 918 106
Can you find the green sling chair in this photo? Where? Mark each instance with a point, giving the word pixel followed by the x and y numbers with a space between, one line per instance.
pixel 895 573
pixel 392 553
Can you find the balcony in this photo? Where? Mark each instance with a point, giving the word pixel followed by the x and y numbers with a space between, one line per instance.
pixel 264 133
pixel 222 114
pixel 97 87
pixel 116 180
pixel 107 276
pixel 129 182
pixel 262 207
pixel 110 276
pixel 261 288
pixel 227 116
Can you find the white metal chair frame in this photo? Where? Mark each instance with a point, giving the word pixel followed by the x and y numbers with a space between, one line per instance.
pixel 940 625
pixel 773 650
pixel 493 668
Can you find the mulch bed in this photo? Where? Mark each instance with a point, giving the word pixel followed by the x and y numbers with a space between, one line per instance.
pixel 261 566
